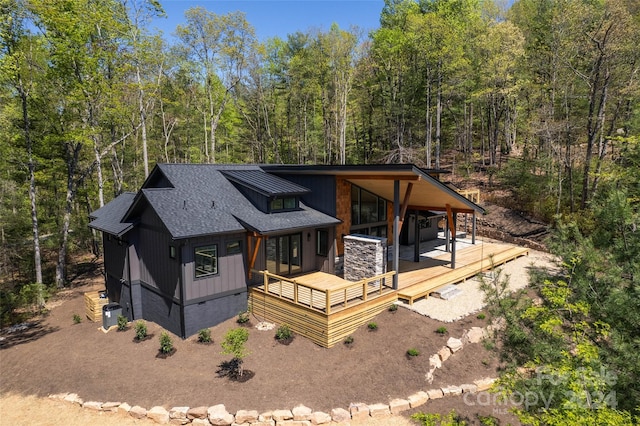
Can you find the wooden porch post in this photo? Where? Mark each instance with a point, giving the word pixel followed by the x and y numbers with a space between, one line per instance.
pixel 396 231
pixel 473 228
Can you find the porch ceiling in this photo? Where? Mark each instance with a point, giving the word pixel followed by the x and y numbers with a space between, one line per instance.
pixel 427 193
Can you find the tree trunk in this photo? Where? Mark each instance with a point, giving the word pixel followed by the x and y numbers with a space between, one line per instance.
pixel 72 163
pixel 143 123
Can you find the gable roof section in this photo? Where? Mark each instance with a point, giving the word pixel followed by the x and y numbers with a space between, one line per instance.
pixel 108 218
pixel 200 200
pixel 264 183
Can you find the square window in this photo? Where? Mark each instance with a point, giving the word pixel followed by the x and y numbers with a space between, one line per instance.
pixel 206 260
pixel 234 247
pixel 290 203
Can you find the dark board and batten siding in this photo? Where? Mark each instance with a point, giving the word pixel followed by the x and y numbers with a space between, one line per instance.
pixel 323 191
pixel 231 276
pixel 157 269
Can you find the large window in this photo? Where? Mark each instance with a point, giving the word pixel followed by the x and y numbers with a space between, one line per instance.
pixel 368 213
pixel 206 258
pixel 284 254
pixel 322 243
pixel 367 207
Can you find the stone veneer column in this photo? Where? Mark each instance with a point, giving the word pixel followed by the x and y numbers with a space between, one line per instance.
pixel 364 256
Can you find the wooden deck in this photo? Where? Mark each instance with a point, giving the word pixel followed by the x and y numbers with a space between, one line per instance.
pixel 326 308
pixel 470 261
pixel 322 307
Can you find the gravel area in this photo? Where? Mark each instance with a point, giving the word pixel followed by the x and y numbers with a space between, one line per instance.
pixel 471 298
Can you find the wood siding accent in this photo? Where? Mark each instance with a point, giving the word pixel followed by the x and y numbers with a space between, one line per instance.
pixel 231 274
pixel 343 212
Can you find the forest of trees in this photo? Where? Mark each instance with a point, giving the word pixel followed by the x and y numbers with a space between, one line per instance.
pixel 545 95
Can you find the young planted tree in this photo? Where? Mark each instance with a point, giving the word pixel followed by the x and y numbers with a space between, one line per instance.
pixel 234 344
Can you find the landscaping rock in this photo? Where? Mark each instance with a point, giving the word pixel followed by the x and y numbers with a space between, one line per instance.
pixel 484 384
pixel 320 418
pixel 200 422
pixel 73 398
pixel 429 376
pixel 452 391
pixel 247 416
pixel 123 408
pixel 473 335
pixel 280 415
pixel 454 344
pixel 418 399
pixel 435 393
pixel 267 416
pixel 178 413
pixel 111 406
pixel 137 412
pixel 219 416
pixel 197 413
pixel 158 414
pixel 434 362
pixel 398 405
pixel 444 353
pixel 359 410
pixel 340 415
pixel 264 423
pixel 93 405
pixel 300 412
pixel 379 410
pixel 469 388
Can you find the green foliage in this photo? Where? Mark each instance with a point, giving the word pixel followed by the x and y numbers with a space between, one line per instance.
pixel 393 308
pixel 481 316
pixel 442 330
pixel 372 326
pixel 243 317
pixel 234 343
pixel 430 419
pixel 122 322
pixel 166 344
pixel 284 332
pixel 348 340
pixel 141 330
pixel 77 319
pixel 413 352
pixel 204 335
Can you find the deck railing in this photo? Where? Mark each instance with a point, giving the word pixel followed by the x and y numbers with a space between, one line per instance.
pixel 471 194
pixel 323 299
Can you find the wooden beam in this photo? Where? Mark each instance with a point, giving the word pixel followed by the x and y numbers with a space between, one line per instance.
pixel 254 255
pixel 405 202
pixel 381 177
pixel 450 217
pixel 439 209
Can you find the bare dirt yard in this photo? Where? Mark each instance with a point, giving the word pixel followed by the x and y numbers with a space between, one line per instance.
pixel 55 355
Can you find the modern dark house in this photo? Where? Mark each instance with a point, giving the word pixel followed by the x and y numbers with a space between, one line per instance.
pixel 184 250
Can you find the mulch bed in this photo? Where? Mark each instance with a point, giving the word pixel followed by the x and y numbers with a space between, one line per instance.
pixel 56 356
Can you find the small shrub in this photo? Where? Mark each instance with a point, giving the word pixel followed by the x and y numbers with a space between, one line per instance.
pixel 413 352
pixel 166 344
pixel 141 330
pixel 481 316
pixel 488 344
pixel 204 335
pixel 243 317
pixel 441 330
pixel 393 308
pixel 429 419
pixel 77 319
pixel 284 333
pixel 372 326
pixel 122 322
pixel 348 340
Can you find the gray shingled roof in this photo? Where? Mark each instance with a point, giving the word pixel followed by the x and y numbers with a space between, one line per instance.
pixel 108 218
pixel 264 183
pixel 203 201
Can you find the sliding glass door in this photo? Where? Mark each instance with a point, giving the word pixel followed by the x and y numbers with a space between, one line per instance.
pixel 284 254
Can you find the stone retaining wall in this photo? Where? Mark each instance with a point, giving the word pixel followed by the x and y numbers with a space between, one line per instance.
pixel 302 415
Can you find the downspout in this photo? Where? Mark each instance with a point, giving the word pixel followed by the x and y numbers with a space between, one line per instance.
pixel 396 237
pixel 133 315
pixel 183 332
